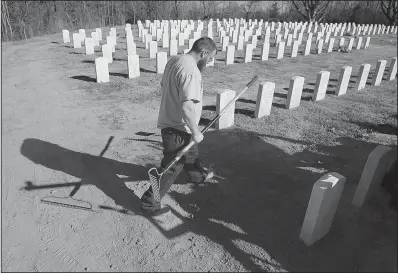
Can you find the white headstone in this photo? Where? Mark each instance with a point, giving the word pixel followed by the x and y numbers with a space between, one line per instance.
pixel 265 51
pixel 320 46
pixel 165 40
pixel 350 44
pixel 322 206
pixel 94 36
pixel 173 47
pixel 82 33
pixel 240 42
pixel 367 41
pixel 392 71
pixel 307 49
pixel 230 55
pixel 294 93
pixel 99 32
pixel 131 47
pixel 330 45
pixel 321 85
pixel 107 52
pixel 254 41
pixel 378 163
pixel 280 50
pixel 359 43
pixel 227 119
pixel 153 49
pixel 76 40
pixel 363 76
pixel 181 39
pixel 65 36
pixel 133 65
pixel 225 43
pixel 89 45
pixel 344 79
pixel 378 75
pixel 101 69
pixel 294 49
pixel 161 61
pixel 248 53
pixel 265 95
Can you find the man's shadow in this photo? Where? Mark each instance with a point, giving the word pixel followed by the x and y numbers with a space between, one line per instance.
pixel 92 170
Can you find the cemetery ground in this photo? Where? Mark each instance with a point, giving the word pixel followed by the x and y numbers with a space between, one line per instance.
pixel 56 120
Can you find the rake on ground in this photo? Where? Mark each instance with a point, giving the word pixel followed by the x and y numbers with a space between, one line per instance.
pixel 155 176
pixel 69 201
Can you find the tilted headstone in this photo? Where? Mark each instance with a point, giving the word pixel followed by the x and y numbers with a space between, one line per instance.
pixel 227 119
pixel 161 61
pixel 294 93
pixel 133 65
pixel 101 69
pixel 378 75
pixel 344 79
pixel 363 76
pixel 265 95
pixel 377 165
pixel 322 206
pixel 321 85
pixel 392 71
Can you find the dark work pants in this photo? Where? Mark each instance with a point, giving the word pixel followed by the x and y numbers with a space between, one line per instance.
pixel 173 142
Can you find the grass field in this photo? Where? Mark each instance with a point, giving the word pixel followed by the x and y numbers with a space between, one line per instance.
pixel 247 219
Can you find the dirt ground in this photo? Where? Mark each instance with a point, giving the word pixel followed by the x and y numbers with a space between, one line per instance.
pixel 56 122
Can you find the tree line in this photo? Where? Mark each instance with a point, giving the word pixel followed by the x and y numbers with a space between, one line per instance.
pixel 27 19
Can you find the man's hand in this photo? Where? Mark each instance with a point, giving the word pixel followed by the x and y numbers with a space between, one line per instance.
pixel 197 137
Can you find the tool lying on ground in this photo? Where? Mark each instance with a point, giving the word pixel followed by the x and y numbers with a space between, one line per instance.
pixel 155 176
pixel 69 201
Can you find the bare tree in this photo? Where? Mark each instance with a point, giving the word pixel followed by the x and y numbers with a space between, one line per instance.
pixel 249 6
pixel 390 10
pixel 209 7
pixel 312 10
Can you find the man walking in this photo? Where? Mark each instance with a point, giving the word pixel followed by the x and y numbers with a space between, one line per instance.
pixel 179 115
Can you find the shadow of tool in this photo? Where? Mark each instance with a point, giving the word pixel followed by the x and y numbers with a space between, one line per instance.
pixel 92 170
